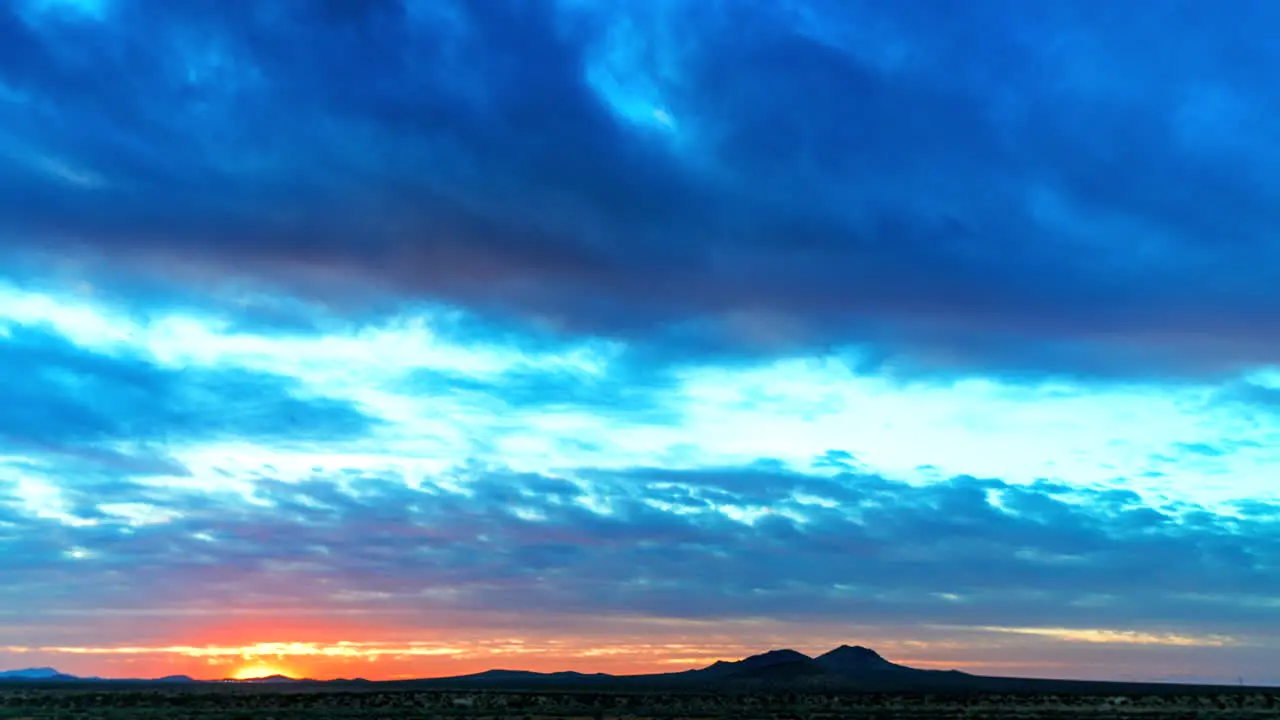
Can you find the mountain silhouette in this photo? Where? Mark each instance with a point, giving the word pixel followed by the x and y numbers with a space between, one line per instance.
pixel 31 673
pixel 41 673
pixel 848 659
pixel 842 666
pixel 47 674
pixel 756 663
pixel 502 675
pixel 850 668
pixel 268 680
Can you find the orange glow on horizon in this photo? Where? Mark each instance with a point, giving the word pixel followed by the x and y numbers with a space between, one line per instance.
pixel 340 649
pixel 257 671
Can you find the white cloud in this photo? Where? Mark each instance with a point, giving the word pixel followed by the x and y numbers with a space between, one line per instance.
pixel 792 410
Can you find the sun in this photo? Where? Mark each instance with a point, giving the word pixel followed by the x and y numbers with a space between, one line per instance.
pixel 256 671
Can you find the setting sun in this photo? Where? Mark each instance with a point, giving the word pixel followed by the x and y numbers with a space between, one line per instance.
pixel 257 671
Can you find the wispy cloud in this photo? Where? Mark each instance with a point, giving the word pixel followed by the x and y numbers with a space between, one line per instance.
pixel 694 544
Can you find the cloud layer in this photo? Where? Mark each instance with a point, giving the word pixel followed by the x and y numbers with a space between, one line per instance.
pixel 725 543
pixel 963 188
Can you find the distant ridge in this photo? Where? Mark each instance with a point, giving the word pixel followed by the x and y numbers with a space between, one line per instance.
pixel 853 655
pixel 847 668
pixel 42 673
pixel 523 674
pixel 773 665
pixel 763 661
pixel 856 658
pixel 268 680
pixel 46 674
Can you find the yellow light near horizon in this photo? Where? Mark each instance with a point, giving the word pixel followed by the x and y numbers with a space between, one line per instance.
pixel 257 671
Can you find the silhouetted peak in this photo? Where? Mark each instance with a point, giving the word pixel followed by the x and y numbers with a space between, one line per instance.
pixel 32 672
pixel 774 657
pixel 853 660
pixel 270 679
pixel 504 673
pixel 852 652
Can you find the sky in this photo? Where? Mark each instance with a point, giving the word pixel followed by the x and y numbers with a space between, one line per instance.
pixel 394 338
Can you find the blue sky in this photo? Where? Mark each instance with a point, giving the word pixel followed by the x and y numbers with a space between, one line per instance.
pixel 674 329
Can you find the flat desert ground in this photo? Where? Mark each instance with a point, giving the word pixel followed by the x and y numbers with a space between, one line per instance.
pixel 286 703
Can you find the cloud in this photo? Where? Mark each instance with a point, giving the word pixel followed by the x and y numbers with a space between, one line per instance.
pixel 432 389
pixel 622 390
pixel 762 177
pixel 727 544
pixel 125 411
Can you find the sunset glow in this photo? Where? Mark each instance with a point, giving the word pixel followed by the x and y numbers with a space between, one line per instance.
pixel 258 671
pixel 993 650
pixel 421 338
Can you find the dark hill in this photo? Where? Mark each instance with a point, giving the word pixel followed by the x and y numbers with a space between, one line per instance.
pixel 844 669
pixel 754 664
pixel 42 674
pixel 847 666
pixel 771 659
pixel 502 675
pixel 268 680
pixel 770 668
pixel 847 659
pixel 522 675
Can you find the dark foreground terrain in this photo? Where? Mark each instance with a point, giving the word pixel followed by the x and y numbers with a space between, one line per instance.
pixel 322 701
pixel 847 682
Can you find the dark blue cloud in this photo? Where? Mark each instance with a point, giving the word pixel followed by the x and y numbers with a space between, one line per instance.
pixel 121 410
pixel 982 185
pixel 963 551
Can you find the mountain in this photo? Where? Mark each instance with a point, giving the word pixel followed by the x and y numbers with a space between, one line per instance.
pixel 31 673
pixel 523 674
pixel 774 664
pixel 503 675
pixel 848 667
pixel 854 659
pixel 268 680
pixel 43 673
pixel 46 674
